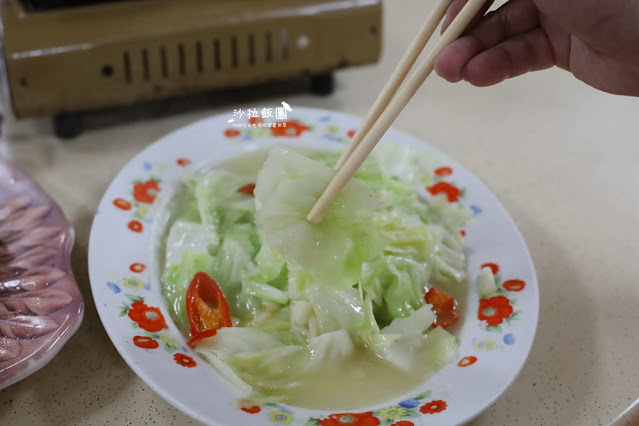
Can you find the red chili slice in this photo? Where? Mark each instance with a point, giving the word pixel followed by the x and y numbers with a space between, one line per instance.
pixel 443 306
pixel 206 308
pixel 201 335
pixel 247 189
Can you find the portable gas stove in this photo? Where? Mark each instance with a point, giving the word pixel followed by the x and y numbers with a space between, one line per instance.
pixel 65 57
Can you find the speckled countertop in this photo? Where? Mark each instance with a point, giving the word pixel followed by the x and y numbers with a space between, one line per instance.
pixel 560 156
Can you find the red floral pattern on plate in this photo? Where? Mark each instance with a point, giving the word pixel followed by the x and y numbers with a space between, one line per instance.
pixel 494 310
pixel 493 266
pixel 350 419
pixel 143 194
pixel 147 317
pixel 145 342
pixel 514 285
pixel 252 410
pixel 137 267
pixel 122 204
pixel 433 407
pixel 146 192
pixel 232 133
pixel 136 226
pixel 289 128
pixel 443 171
pixel 184 360
pixel 467 361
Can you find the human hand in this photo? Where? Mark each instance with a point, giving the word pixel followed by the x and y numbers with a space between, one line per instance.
pixel 598 42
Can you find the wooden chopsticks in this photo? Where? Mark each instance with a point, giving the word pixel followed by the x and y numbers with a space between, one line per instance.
pixel 393 99
pixel 397 78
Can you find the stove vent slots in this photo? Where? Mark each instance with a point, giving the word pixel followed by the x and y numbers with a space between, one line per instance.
pixel 188 59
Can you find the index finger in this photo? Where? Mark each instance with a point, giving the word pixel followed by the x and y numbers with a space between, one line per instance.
pixel 456 6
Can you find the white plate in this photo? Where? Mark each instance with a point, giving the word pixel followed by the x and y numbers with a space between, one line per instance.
pixel 495 338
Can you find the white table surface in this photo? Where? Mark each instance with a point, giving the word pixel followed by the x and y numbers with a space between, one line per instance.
pixel 561 157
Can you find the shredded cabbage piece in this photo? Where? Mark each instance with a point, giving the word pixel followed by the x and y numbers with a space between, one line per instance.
pixel 307 297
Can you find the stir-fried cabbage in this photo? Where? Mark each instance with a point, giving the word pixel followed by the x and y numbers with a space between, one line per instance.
pixel 305 297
